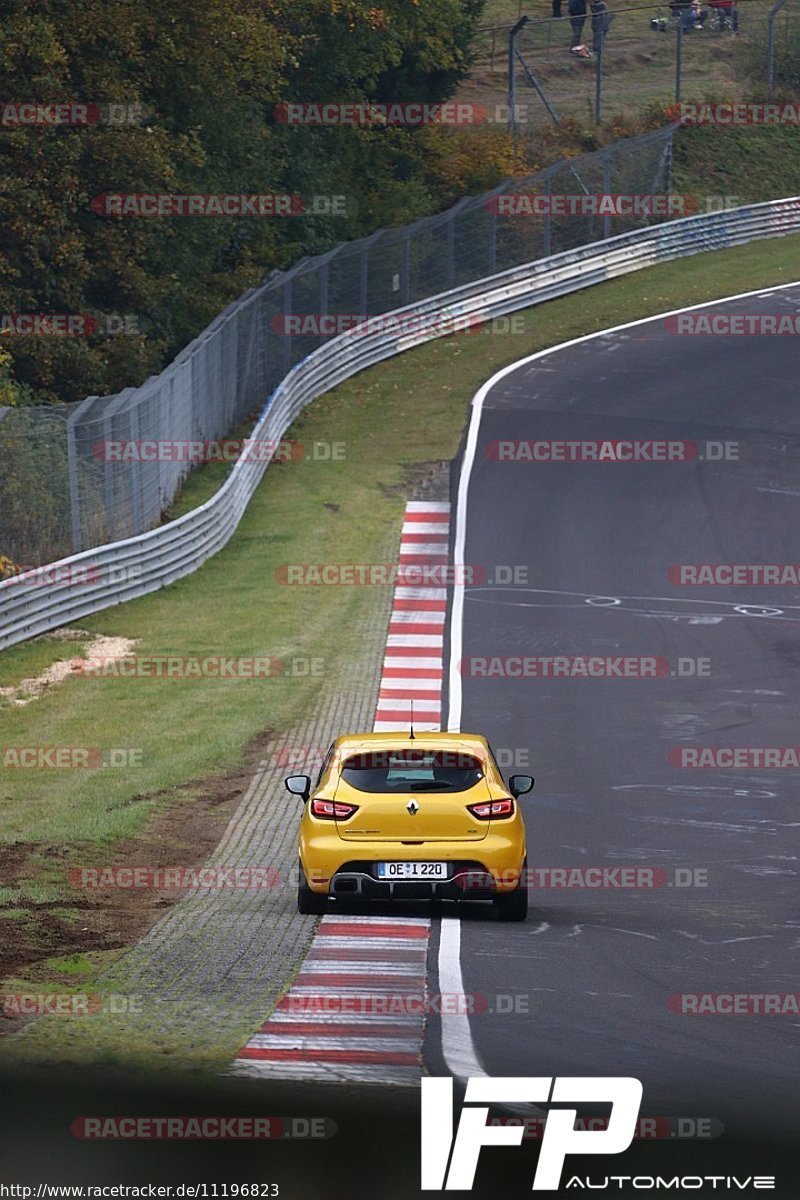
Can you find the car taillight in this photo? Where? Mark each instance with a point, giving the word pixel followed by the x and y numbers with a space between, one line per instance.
pixel 332 810
pixel 492 810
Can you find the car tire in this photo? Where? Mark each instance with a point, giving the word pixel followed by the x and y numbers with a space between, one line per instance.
pixel 513 906
pixel 309 903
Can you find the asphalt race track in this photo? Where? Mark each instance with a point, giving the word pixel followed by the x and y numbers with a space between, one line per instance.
pixel 597 967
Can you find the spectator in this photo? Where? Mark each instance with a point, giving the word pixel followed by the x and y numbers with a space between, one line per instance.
pixel 682 9
pixel 556 8
pixel 728 11
pixel 577 19
pixel 601 22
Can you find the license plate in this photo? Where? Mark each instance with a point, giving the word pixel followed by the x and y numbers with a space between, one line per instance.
pixel 412 870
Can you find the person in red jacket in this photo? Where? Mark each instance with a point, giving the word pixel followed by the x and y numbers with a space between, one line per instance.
pixel 728 11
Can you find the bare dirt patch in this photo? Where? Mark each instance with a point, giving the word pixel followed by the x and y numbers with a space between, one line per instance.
pixel 28 690
pixel 184 833
pixel 422 481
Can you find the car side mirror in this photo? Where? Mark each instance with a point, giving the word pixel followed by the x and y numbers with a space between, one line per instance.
pixel 298 785
pixel 518 785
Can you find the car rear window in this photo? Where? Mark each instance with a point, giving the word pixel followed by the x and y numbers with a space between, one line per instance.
pixel 390 771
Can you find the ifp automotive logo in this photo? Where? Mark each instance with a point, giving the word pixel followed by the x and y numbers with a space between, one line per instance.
pixel 449 1163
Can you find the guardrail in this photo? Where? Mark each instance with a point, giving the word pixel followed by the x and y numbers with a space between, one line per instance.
pixel 63 592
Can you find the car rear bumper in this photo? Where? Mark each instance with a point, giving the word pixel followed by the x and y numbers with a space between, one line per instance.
pixel 498 857
pixel 357 880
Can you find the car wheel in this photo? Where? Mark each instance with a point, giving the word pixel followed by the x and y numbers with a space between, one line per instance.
pixel 513 906
pixel 309 902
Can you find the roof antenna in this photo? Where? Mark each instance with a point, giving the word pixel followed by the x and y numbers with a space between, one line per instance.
pixel 411 735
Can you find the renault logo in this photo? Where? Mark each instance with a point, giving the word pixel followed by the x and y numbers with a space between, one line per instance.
pixel 412 807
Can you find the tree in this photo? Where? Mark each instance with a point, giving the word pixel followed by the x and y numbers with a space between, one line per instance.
pixel 204 80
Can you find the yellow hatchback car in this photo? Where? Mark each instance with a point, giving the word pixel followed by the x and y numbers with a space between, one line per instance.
pixel 394 816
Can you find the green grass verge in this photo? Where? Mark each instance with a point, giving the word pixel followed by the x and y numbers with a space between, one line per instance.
pixel 404 413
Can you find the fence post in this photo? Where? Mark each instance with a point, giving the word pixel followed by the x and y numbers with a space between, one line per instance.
pixel 137 478
pixel 288 338
pixel 546 223
pixel 72 466
pixel 773 12
pixel 598 77
pixel 451 251
pixel 108 483
pixel 363 300
pixel 324 288
pixel 512 50
pixel 405 270
pixel 363 284
pixel 74 491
